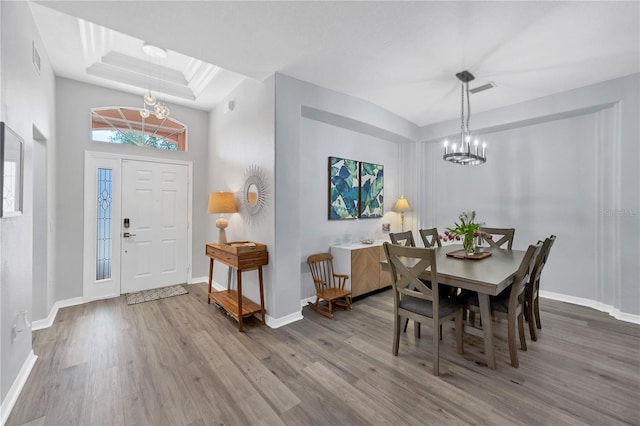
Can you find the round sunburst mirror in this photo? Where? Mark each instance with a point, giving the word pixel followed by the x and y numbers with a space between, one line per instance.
pixel 255 193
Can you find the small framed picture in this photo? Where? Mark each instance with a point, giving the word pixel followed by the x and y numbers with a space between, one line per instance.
pixel 11 159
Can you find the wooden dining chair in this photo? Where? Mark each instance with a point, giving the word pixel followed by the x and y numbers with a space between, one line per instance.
pixel 499 236
pixel 330 287
pixel 413 299
pixel 430 237
pixel 532 289
pixel 509 304
pixel 403 238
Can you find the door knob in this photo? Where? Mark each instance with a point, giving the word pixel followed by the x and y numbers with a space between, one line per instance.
pixel 127 235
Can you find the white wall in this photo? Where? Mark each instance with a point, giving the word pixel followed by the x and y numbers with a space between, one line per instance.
pixel 318 141
pixel 74 101
pixel 26 99
pixel 565 164
pixel 238 139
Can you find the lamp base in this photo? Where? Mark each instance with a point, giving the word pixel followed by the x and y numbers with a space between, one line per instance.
pixel 221 224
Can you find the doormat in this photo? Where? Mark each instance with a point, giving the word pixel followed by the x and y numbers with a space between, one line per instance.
pixel 155 294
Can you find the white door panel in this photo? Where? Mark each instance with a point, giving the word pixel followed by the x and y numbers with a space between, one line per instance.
pixel 154 199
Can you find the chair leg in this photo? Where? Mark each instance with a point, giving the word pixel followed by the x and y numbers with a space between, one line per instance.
pixel 406 323
pixel 523 340
pixel 436 352
pixel 416 329
pixel 528 309
pixel 513 353
pixel 396 335
pixel 536 311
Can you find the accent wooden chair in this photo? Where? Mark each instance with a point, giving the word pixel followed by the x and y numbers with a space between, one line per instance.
pixel 505 236
pixel 509 305
pixel 403 238
pixel 430 237
pixel 330 287
pixel 413 299
pixel 532 297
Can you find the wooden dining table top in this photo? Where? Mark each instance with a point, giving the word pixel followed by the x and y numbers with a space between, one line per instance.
pixel 490 275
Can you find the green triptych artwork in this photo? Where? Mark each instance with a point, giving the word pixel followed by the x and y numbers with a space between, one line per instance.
pixel 356 189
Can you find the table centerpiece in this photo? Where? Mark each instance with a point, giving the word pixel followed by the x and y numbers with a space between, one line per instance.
pixel 467 230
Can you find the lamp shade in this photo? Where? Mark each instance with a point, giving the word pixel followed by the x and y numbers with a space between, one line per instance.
pixel 222 202
pixel 402 205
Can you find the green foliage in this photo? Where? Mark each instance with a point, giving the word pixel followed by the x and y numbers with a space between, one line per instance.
pixel 142 139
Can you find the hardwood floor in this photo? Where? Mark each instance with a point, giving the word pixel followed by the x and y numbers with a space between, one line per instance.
pixel 179 361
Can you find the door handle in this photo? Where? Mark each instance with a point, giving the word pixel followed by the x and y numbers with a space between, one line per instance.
pixel 127 235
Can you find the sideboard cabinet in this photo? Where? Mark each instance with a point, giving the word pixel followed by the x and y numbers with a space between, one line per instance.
pixel 362 263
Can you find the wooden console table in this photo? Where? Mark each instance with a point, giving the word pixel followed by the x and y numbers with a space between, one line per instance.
pixel 242 256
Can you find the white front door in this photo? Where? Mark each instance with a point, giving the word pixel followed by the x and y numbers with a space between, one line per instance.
pixel 154 245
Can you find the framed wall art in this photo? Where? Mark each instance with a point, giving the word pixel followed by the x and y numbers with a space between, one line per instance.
pixel 344 188
pixel 11 158
pixel 371 190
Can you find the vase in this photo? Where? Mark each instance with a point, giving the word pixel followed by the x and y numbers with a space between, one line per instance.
pixel 468 243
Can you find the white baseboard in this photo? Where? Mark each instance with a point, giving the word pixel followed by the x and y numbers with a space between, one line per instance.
pixel 282 321
pixel 304 302
pixel 12 396
pixel 198 280
pixel 614 312
pixel 48 321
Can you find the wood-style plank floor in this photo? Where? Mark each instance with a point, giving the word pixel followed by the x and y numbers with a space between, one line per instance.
pixel 179 361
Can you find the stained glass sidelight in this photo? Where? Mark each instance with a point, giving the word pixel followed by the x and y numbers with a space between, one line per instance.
pixel 103 248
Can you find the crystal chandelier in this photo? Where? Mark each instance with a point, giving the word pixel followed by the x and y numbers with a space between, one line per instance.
pixel 463 153
pixel 160 110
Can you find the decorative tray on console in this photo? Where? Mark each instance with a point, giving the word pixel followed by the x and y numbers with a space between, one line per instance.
pixel 239 247
pixel 460 254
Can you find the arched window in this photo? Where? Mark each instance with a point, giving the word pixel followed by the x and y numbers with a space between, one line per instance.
pixel 125 125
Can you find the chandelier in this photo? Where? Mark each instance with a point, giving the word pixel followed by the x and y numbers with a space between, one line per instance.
pixel 463 153
pixel 160 110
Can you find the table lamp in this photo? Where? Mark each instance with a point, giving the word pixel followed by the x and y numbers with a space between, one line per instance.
pixel 222 202
pixel 402 205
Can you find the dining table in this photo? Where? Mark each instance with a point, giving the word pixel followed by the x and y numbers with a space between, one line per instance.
pixel 488 276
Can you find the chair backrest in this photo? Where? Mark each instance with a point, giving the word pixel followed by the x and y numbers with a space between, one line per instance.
pixel 522 275
pixel 407 265
pixel 430 237
pixel 505 234
pixel 402 238
pixel 534 279
pixel 321 266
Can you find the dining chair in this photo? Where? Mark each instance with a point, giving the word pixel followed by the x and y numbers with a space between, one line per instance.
pixel 406 239
pixel 505 234
pixel 403 238
pixel 413 299
pixel 509 305
pixel 330 287
pixel 430 237
pixel 532 289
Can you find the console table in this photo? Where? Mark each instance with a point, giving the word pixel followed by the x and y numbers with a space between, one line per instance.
pixel 242 256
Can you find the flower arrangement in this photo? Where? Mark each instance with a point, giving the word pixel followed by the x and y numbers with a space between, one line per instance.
pixel 466 230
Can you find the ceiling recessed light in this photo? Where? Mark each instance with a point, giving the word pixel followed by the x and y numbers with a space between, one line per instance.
pixel 154 51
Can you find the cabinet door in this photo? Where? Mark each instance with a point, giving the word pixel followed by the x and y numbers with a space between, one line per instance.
pixel 385 277
pixel 365 270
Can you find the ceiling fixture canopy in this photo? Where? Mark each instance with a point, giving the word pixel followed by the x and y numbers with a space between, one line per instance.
pixel 463 153
pixel 160 110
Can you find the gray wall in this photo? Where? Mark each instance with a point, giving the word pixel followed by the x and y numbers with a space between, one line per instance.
pixel 74 101
pixel 564 164
pixel 238 139
pixel 26 100
pixel 296 99
pixel 318 141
